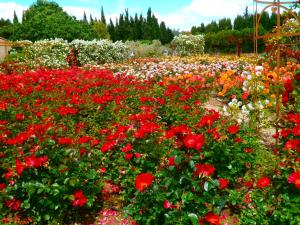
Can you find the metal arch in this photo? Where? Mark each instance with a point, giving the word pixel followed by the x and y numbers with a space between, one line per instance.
pixel 279 4
pixel 282 6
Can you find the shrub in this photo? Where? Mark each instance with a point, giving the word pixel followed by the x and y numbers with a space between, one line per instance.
pixel 188 44
pixel 142 49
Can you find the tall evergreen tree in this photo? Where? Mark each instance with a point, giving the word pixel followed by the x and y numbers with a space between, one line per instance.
pixel 103 20
pixel 84 17
pixel 15 19
pixel 225 24
pixel 91 19
pixel 111 30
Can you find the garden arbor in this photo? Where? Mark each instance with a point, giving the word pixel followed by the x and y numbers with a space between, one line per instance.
pixel 277 7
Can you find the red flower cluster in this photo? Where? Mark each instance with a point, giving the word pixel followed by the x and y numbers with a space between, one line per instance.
pixel 210 218
pixel 143 181
pixel 223 183
pixel 13 204
pixel 79 198
pixel 204 170
pixel 263 182
pixel 209 119
pixel 194 141
pixel 294 178
pixel 233 129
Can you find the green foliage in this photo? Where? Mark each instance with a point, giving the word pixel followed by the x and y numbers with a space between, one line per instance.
pixel 101 30
pixel 145 50
pixel 139 28
pixel 46 20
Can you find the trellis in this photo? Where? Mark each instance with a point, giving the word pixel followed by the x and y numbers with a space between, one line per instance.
pixel 276 6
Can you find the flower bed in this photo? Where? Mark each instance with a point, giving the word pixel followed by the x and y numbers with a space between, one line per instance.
pixel 72 138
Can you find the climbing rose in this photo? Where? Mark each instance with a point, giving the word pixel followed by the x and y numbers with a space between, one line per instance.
pixel 143 181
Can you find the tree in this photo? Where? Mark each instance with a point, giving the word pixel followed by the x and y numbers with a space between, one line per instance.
pixel 91 19
pixel 46 20
pixel 239 23
pixel 15 19
pixel 212 27
pixel 238 37
pixel 164 35
pixel 103 20
pixel 6 28
pixel 100 28
pixel 225 24
pixel 111 30
pixel 84 17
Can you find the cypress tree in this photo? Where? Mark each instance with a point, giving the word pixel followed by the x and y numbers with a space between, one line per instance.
pixel 15 20
pixel 103 20
pixel 111 30
pixel 84 17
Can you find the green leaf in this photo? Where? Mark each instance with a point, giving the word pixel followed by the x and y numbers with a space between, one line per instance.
pixel 194 218
pixel 46 217
pixel 192 164
pixel 26 204
pixel 177 160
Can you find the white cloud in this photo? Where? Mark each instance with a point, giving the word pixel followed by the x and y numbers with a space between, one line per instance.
pixel 199 11
pixel 79 11
pixel 7 10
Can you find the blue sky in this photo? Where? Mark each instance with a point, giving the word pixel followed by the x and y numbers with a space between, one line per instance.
pixel 178 14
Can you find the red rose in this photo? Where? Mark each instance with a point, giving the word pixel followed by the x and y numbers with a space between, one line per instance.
pixel 223 183
pixel 212 218
pixel 194 141
pixel 127 148
pixel 168 205
pixel 79 198
pixel 128 156
pixel 233 129
pixel 294 178
pixel 263 182
pixel 204 169
pixel 143 181
pixel 2 186
pixel 19 166
pixel 19 117
pixel 245 95
pixel 171 161
pixel 13 204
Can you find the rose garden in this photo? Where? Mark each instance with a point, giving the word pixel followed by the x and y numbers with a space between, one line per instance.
pixel 89 135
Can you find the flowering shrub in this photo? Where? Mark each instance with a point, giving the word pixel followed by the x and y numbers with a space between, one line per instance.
pixel 59 54
pixel 188 44
pixel 99 52
pixel 45 53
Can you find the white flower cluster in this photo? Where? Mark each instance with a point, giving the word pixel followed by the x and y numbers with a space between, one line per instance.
pixel 188 44
pixel 100 51
pixel 45 53
pixel 54 53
